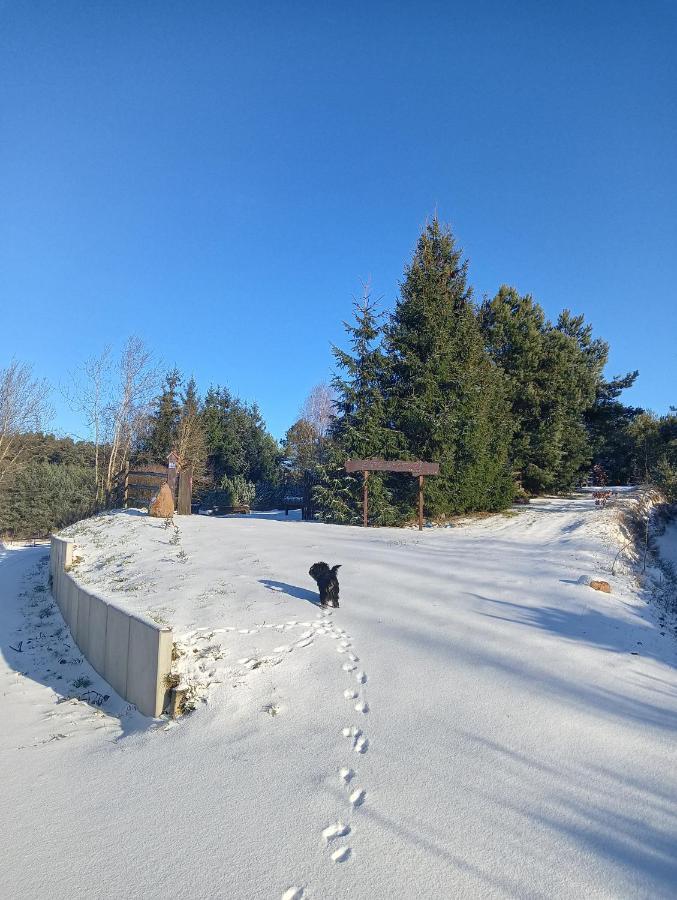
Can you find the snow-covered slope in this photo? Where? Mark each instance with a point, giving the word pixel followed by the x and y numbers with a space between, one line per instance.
pixel 470 723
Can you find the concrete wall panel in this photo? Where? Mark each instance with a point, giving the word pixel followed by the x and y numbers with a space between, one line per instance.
pixel 98 622
pixel 117 650
pixel 132 653
pixel 82 620
pixel 145 682
pixel 73 595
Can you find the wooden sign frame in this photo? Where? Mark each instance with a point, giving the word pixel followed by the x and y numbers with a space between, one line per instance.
pixel 417 468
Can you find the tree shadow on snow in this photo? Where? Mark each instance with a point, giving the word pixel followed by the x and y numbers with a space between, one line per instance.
pixel 281 587
pixel 588 626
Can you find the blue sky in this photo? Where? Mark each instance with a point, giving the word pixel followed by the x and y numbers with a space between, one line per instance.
pixel 220 178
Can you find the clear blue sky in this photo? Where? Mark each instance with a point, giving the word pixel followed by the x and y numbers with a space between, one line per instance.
pixel 219 178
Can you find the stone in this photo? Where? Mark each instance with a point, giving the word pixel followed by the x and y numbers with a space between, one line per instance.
pixel 162 507
pixel 601 586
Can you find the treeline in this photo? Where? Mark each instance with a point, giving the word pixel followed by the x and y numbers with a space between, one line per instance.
pixel 510 404
pixel 54 486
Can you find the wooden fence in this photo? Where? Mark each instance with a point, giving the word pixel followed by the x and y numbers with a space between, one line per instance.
pixel 139 484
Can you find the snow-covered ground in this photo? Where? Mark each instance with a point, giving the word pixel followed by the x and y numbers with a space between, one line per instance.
pixel 471 722
pixel 667 545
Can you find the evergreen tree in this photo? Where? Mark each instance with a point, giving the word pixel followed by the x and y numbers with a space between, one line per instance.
pixel 43 497
pixel 191 442
pixel 162 429
pixel 563 410
pixel 516 335
pixel 237 440
pixel 608 422
pixel 360 428
pixel 580 362
pixel 447 396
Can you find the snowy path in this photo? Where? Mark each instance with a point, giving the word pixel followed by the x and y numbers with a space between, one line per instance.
pixel 470 723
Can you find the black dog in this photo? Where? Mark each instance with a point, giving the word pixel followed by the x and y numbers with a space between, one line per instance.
pixel 327 582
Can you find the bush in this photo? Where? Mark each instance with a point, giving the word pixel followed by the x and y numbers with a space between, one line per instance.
pixel 240 491
pixel 43 498
pixel 665 476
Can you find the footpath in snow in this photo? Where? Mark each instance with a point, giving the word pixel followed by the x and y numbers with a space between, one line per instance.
pixel 472 722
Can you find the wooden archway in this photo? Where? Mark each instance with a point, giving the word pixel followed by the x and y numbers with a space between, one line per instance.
pixel 403 466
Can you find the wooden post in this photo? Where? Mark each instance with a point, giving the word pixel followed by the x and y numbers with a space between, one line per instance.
pixel 185 494
pixel 365 499
pixel 412 467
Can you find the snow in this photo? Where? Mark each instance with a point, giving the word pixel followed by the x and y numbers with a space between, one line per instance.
pixel 471 722
pixel 667 545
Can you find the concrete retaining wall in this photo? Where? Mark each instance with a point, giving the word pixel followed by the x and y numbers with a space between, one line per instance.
pixel 132 653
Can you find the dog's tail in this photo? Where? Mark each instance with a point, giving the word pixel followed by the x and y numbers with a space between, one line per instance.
pixel 334 568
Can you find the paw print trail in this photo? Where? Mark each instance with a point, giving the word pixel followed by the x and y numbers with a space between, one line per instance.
pixel 356 795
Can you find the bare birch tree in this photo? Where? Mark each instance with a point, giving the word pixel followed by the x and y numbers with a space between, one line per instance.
pixel 128 413
pixel 318 408
pixel 89 393
pixel 23 408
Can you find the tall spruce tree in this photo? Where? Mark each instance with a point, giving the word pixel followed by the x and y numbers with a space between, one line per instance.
pixel 360 428
pixel 516 335
pixel 581 360
pixel 447 396
pixel 191 442
pixel 162 428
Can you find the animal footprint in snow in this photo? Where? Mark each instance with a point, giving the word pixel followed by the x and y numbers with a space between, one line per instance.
pixel 338 829
pixel 348 667
pixel 293 893
pixel 304 643
pixel 357 797
pixel 346 774
pixel 361 677
pixel 341 855
pixel 353 658
pixel 351 731
pixel 361 744
pixel 350 694
pixel 284 648
pixel 362 707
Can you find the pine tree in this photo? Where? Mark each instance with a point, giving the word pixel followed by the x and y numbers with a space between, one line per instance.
pixel 360 428
pixel 562 408
pixel 191 443
pixel 237 440
pixel 515 334
pixel 448 398
pixel 162 430
pixel 581 360
pixel 608 422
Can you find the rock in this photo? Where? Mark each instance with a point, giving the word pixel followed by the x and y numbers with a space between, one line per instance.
pixel 601 586
pixel 162 505
pixel 584 579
